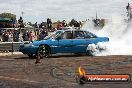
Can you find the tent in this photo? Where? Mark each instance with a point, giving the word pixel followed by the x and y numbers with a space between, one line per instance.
pixel 5 19
pixel 6 22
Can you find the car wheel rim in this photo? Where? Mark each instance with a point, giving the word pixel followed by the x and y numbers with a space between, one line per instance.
pixel 89 53
pixel 43 51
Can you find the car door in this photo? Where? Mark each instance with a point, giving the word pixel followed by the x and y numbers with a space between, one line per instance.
pixel 90 38
pixel 66 42
pixel 79 42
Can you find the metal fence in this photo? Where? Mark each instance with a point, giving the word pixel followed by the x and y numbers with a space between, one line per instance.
pixel 9 46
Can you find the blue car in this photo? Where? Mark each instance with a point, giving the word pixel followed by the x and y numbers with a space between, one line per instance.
pixel 65 41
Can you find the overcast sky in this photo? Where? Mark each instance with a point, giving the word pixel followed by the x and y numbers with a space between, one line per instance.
pixel 39 10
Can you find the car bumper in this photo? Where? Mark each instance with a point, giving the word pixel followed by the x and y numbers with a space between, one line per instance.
pixel 28 50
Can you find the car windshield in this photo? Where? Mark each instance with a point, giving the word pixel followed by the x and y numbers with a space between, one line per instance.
pixel 53 35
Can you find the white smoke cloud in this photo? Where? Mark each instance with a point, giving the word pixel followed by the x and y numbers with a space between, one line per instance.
pixel 119 33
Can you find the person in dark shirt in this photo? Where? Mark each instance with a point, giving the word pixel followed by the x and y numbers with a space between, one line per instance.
pixel 49 24
pixel 129 11
pixel 5 37
pixel 25 36
pixel 16 36
pixel 42 35
pixel 128 7
pixel 20 22
pixel 64 24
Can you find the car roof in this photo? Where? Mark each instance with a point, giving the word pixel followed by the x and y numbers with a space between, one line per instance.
pixel 63 30
pixel 73 30
pixel 78 30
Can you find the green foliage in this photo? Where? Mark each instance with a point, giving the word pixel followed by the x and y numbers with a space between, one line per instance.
pixel 30 23
pixel 8 15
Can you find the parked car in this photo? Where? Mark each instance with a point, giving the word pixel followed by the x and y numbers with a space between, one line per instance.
pixel 65 41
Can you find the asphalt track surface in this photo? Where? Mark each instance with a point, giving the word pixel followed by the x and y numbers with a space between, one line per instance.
pixel 60 71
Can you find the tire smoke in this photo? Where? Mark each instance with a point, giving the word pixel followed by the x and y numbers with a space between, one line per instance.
pixel 119 32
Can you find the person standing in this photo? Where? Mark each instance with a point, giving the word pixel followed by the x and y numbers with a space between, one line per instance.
pixel 129 11
pixel 31 36
pixel 25 36
pixel 16 36
pixel 5 37
pixel 10 36
pixel 42 35
pixel 59 25
pixel 20 23
pixel 64 23
pixel 128 7
pixel 49 24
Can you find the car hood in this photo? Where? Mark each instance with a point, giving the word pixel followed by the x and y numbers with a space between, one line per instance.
pixel 37 43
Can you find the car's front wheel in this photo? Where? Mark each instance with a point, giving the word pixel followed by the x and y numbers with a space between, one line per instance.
pixel 43 51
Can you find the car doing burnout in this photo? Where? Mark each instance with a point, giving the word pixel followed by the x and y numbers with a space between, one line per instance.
pixel 65 41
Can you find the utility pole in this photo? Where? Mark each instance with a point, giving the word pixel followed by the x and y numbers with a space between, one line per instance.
pixel 96 15
pixel 22 13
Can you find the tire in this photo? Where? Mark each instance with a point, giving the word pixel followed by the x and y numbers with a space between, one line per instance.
pixel 43 51
pixel 89 53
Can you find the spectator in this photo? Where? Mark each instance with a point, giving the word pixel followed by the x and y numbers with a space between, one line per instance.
pixel 42 35
pixel 59 25
pixel 80 24
pixel 49 24
pixel 20 23
pixel 10 37
pixel 16 36
pixel 25 36
pixel 31 36
pixel 64 24
pixel 42 25
pixel 129 11
pixel 20 37
pixel 36 25
pixel 128 7
pixel 1 32
pixel 77 24
pixel 5 37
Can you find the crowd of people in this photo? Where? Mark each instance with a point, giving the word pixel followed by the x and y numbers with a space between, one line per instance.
pixel 38 32
pixel 19 35
pixel 59 25
pixel 9 35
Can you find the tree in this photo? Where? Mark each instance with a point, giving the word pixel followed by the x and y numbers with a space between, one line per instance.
pixel 29 23
pixel 74 23
pixel 8 15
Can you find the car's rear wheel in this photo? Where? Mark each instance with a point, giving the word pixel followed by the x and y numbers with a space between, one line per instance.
pixel 89 53
pixel 43 51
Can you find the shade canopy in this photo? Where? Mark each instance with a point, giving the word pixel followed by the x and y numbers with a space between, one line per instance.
pixel 4 19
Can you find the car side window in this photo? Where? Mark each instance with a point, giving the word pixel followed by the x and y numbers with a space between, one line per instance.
pixel 79 35
pixel 89 35
pixel 67 35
